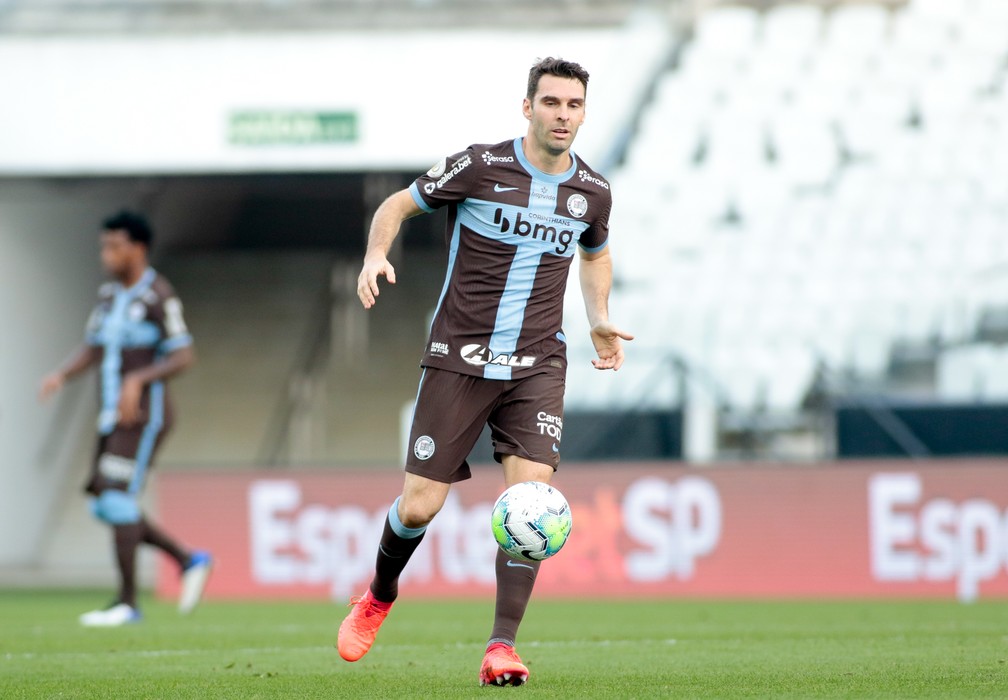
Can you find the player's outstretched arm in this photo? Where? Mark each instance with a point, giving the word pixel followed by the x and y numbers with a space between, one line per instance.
pixel 596 280
pixel 385 227
pixel 606 338
pixel 83 357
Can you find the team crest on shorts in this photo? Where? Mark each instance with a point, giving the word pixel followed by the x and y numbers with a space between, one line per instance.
pixel 423 448
pixel 577 205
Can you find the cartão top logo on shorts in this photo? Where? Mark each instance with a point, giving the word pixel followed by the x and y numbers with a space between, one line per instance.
pixel 423 448
pixel 481 355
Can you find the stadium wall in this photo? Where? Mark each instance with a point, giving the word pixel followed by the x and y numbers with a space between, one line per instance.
pixel 88 119
pixel 851 530
pixel 298 102
pixel 49 274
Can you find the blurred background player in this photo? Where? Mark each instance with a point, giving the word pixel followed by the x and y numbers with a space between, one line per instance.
pixel 137 338
pixel 518 212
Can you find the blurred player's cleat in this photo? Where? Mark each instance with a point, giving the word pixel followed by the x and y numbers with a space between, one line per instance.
pixel 359 628
pixel 194 580
pixel 115 615
pixel 501 666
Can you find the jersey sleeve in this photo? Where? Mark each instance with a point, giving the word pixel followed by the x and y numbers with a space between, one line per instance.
pixel 596 237
pixel 449 180
pixel 93 327
pixel 175 333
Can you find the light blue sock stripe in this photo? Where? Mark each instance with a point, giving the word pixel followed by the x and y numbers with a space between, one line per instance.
pixel 407 533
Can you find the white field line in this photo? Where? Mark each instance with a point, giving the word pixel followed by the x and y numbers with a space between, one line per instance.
pixel 162 653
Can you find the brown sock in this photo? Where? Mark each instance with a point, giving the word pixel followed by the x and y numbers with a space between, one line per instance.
pixel 515 580
pixel 394 553
pixel 127 539
pixel 154 536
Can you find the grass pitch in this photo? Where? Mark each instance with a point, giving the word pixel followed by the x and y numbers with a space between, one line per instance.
pixel 574 649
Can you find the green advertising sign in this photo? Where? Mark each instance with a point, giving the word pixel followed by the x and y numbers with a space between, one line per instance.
pixel 291 128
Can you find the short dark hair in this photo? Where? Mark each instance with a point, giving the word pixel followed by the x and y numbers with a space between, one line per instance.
pixel 135 225
pixel 557 67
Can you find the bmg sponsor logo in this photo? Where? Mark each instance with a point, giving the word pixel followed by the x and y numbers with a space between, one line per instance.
pixel 539 232
pixel 935 539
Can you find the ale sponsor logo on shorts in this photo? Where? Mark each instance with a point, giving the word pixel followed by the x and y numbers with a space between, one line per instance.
pixel 480 355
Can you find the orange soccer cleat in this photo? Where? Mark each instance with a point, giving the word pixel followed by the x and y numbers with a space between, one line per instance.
pixel 359 628
pixel 501 666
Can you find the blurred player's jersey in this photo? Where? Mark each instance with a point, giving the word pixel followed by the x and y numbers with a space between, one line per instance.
pixel 512 232
pixel 134 328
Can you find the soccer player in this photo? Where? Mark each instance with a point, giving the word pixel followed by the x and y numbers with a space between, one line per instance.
pixel 517 212
pixel 137 338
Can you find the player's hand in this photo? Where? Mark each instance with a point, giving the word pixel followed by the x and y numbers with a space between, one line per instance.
pixel 129 400
pixel 606 339
pixel 51 384
pixel 367 281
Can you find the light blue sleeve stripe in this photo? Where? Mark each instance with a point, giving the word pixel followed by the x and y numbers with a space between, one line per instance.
pixel 415 193
pixel 179 341
pixel 595 249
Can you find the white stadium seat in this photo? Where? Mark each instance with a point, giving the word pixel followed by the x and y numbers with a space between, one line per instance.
pixel 815 186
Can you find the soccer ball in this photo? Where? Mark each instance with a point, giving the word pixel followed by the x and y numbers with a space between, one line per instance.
pixel 531 521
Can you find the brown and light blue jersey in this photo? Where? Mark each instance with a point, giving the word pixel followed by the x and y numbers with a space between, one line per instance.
pixel 512 232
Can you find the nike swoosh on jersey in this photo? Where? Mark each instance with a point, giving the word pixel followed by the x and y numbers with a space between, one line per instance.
pixel 512 562
pixel 500 188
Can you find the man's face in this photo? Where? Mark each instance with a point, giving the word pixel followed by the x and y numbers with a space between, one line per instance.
pixel 118 253
pixel 555 112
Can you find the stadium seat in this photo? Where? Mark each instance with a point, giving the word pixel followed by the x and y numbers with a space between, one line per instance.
pixel 838 191
pixel 792 29
pixel 729 30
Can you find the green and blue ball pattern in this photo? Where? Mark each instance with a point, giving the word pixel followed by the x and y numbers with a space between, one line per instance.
pixel 531 521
